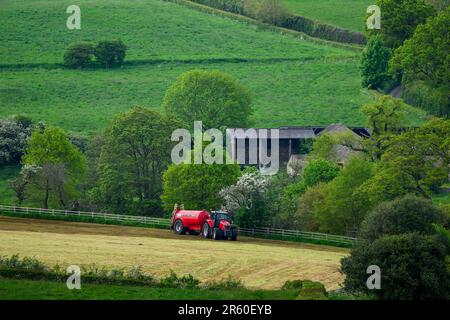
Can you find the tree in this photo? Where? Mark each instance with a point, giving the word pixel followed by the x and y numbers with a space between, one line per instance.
pixel 344 206
pixel 414 162
pixel 399 19
pixel 425 57
pixel 197 186
pixel 425 54
pixel 412 266
pixel 374 64
pixel 269 11
pixel 110 53
pixel 318 171
pixel 210 96
pixel 306 214
pixel 14 135
pixel 247 199
pixel 135 154
pixel 61 165
pixel 78 55
pixel 403 215
pixel 385 117
pixel 422 154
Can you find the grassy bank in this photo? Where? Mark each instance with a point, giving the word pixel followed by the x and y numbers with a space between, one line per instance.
pixel 50 290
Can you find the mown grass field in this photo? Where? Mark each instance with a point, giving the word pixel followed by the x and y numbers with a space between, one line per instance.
pixel 48 290
pixel 348 14
pixel 261 264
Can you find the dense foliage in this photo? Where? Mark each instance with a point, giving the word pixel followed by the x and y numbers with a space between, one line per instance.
pixel 110 53
pixel 78 55
pixel 412 267
pixel 403 215
pixel 213 97
pixel 133 158
pixel 374 64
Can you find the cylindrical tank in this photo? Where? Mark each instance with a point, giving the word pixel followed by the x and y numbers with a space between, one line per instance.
pixel 191 218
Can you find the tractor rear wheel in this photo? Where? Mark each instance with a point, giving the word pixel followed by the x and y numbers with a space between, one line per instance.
pixel 217 234
pixel 178 227
pixel 233 235
pixel 206 233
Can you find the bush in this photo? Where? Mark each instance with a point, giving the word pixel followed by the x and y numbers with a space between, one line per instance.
pixel 227 283
pixel 443 235
pixel 403 215
pixel 78 55
pixel 292 285
pixel 110 53
pixel 319 171
pixel 412 267
pixel 175 281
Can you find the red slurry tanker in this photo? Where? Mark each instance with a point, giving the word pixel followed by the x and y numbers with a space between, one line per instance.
pixel 214 224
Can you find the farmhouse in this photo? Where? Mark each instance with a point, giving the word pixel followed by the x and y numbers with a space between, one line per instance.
pixel 293 141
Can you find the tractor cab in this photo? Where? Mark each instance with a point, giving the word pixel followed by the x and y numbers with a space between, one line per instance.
pixel 218 216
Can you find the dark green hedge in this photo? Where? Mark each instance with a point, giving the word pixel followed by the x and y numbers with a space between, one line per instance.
pixel 322 30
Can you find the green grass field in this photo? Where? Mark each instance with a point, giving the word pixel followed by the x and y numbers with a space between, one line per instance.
pixel 48 290
pixel 348 14
pixel 294 82
pixel 287 93
pixel 34 31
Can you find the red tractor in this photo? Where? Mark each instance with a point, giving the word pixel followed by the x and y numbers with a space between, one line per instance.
pixel 214 224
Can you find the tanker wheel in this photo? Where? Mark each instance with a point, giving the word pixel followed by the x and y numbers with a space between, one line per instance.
pixel 206 233
pixel 217 234
pixel 178 227
pixel 233 235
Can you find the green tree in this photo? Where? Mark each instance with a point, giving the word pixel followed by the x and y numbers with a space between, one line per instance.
pixel 197 186
pixel 135 154
pixel 422 154
pixel 210 96
pixel 403 215
pixel 425 54
pixel 412 266
pixel 318 171
pixel 110 53
pixel 374 64
pixel 385 117
pixel 78 55
pixel 344 206
pixel 61 165
pixel 399 19
pixel 306 215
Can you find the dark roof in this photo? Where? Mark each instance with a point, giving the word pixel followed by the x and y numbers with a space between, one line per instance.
pixel 308 132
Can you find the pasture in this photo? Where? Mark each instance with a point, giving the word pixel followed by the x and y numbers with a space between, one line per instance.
pixel 348 14
pixel 261 264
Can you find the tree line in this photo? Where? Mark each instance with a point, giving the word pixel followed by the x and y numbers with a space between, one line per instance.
pixel 411 50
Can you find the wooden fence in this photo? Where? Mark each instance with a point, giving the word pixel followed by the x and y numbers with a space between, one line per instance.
pixel 273 233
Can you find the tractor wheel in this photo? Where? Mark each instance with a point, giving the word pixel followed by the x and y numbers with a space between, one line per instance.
pixel 233 235
pixel 206 232
pixel 178 227
pixel 217 234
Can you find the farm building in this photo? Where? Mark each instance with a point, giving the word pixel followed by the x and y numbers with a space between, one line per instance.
pixel 294 142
